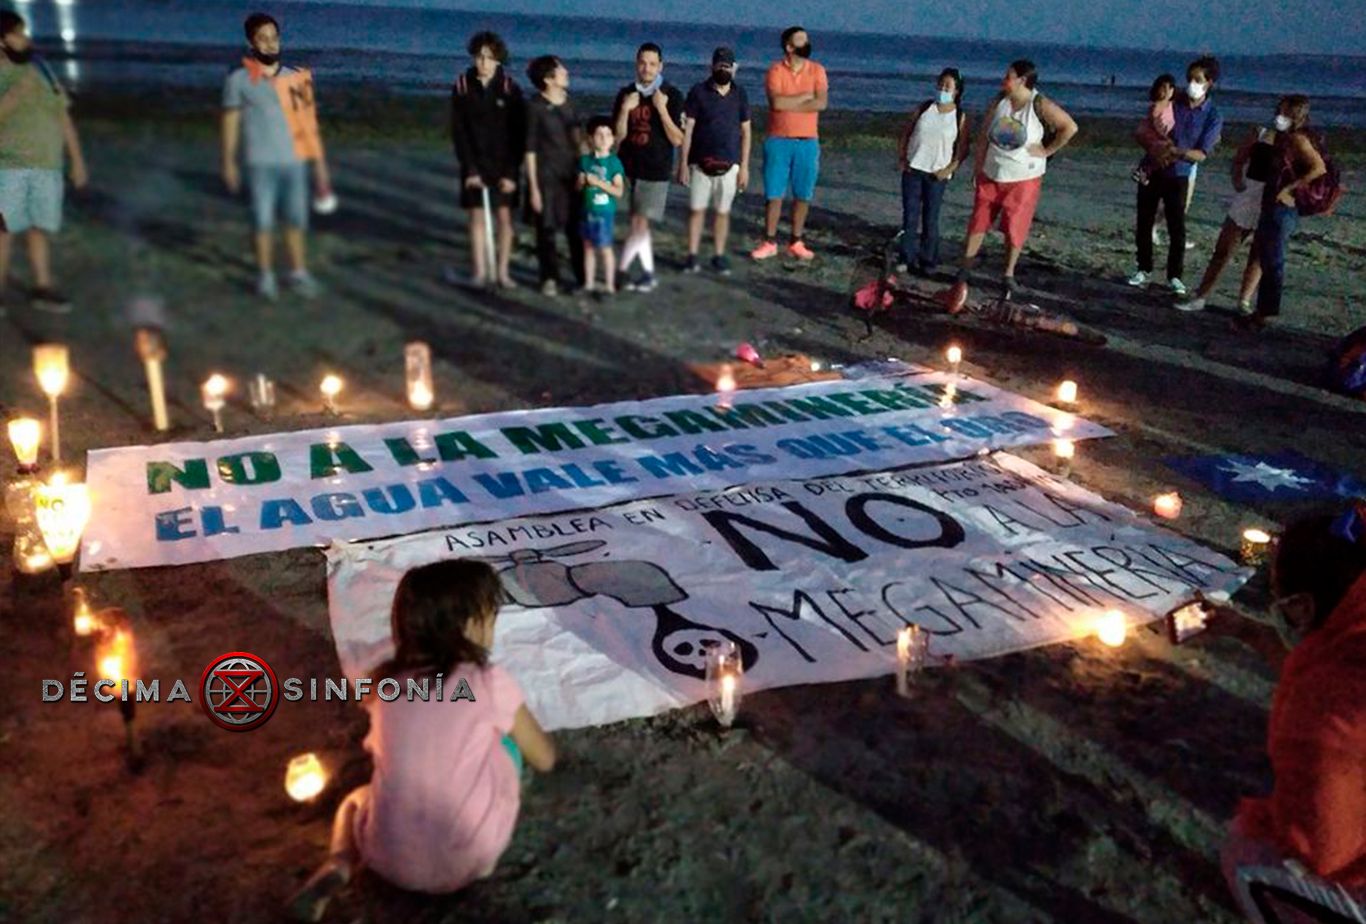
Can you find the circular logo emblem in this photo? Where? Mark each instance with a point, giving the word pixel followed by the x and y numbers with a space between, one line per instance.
pixel 239 691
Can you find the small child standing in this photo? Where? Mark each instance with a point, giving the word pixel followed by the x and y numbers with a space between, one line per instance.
pixel 1162 119
pixel 601 177
pixel 443 799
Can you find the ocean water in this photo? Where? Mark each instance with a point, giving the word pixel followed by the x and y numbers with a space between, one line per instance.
pixel 192 42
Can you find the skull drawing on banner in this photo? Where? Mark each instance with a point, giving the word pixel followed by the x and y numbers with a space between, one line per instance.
pixel 534 579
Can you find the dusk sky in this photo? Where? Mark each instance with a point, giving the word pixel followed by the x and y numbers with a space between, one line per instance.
pixel 1255 26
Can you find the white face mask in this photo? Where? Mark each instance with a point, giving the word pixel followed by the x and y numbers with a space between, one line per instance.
pixel 1282 123
pixel 1196 90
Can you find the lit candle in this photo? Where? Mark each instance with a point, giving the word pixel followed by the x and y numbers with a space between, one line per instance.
pixel 815 365
pixel 1167 506
pixel 82 620
pixel 723 673
pixel 417 368
pixel 51 366
pixel 1067 392
pixel 30 554
pixel 1256 544
pixel 214 389
pixel 1111 628
pixel 331 386
pixel 151 348
pixel 725 387
pixel 949 396
pixel 25 434
pixel 305 777
pixel 908 645
pixel 728 699
pixel 261 390
pixel 116 659
pixel 1064 449
pixel 954 354
pixel 62 511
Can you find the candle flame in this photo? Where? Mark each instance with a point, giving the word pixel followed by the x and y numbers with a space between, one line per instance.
pixel 25 434
pixel 330 386
pixel 305 777
pixel 1111 629
pixel 419 396
pixel 51 366
pixel 1064 449
pixel 954 354
pixel 1167 506
pixel 1259 536
pixel 1067 392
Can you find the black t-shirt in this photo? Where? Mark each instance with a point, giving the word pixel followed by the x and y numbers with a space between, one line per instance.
pixel 551 136
pixel 645 152
pixel 716 133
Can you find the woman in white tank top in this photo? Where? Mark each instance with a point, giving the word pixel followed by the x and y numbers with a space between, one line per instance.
pixel 933 144
pixel 1011 160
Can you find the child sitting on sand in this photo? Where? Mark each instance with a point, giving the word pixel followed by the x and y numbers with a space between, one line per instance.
pixel 1161 118
pixel 441 804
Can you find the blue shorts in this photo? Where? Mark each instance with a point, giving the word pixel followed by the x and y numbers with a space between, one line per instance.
pixel 794 160
pixel 282 187
pixel 597 229
pixel 31 199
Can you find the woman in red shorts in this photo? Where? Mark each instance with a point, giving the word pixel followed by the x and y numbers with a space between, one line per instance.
pixel 1011 159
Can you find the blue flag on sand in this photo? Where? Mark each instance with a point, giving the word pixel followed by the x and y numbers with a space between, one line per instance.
pixel 1285 475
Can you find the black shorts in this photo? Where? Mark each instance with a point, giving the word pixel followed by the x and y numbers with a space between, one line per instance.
pixel 473 198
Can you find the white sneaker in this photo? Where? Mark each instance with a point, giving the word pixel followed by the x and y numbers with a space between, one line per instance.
pixel 302 281
pixel 1178 287
pixel 267 287
pixel 1139 278
pixel 1191 304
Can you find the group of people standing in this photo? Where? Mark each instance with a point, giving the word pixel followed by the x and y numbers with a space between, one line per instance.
pixel 579 172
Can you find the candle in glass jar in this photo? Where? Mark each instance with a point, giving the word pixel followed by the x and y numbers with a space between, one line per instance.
pixel 1256 544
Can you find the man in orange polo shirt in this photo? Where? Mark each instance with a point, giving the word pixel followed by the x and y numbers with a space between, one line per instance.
pixel 797 94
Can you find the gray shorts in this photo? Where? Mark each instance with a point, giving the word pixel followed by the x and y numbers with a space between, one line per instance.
pixel 648 197
pixel 282 187
pixel 32 199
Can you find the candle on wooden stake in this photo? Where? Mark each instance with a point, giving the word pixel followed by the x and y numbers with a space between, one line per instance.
pixel 215 389
pixel 330 386
pixel 151 348
pixel 52 368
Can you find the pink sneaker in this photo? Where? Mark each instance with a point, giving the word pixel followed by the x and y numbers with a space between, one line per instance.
pixel 799 250
pixel 765 250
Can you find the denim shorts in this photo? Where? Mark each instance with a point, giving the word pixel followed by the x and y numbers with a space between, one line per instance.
pixel 31 199
pixel 597 229
pixel 791 160
pixel 282 188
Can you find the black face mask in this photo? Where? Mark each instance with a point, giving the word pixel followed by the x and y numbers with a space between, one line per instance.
pixel 18 57
pixel 721 78
pixel 803 51
pixel 267 60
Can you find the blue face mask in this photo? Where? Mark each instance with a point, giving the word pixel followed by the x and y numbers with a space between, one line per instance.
pixel 945 96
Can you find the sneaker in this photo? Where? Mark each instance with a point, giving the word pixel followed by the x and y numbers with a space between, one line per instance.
pixel 50 300
pixel 693 265
pixel 550 288
pixel 1191 304
pixel 647 283
pixel 799 250
pixel 267 287
pixel 1139 278
pixel 302 281
pixel 720 265
pixel 1245 308
pixel 765 250
pixel 1178 287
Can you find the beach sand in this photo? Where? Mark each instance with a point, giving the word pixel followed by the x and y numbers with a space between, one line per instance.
pixel 1069 784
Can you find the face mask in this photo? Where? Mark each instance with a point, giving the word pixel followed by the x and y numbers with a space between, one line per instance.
pixel 721 77
pixel 1195 90
pixel 18 57
pixel 1282 123
pixel 648 89
pixel 267 60
pixel 804 51
pixel 946 96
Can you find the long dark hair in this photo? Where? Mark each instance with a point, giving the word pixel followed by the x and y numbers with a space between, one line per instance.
pixel 432 616
pixel 1314 557
pixel 1025 70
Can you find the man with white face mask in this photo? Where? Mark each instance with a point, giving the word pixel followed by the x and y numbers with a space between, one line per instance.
pixel 1196 128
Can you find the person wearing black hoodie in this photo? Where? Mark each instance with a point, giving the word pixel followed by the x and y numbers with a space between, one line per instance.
pixel 488 128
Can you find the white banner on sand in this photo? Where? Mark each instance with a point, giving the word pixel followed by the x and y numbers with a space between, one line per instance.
pixel 811 578
pixel 186 502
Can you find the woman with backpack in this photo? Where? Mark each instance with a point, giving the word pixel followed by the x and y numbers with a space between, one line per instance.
pixel 1298 166
pixel 934 142
pixel 1012 154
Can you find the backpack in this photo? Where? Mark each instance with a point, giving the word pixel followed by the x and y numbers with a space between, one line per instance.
pixel 1320 196
pixel 1049 132
pixel 1346 373
pixel 462 86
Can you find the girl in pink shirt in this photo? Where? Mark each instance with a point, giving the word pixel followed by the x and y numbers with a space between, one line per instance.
pixel 442 802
